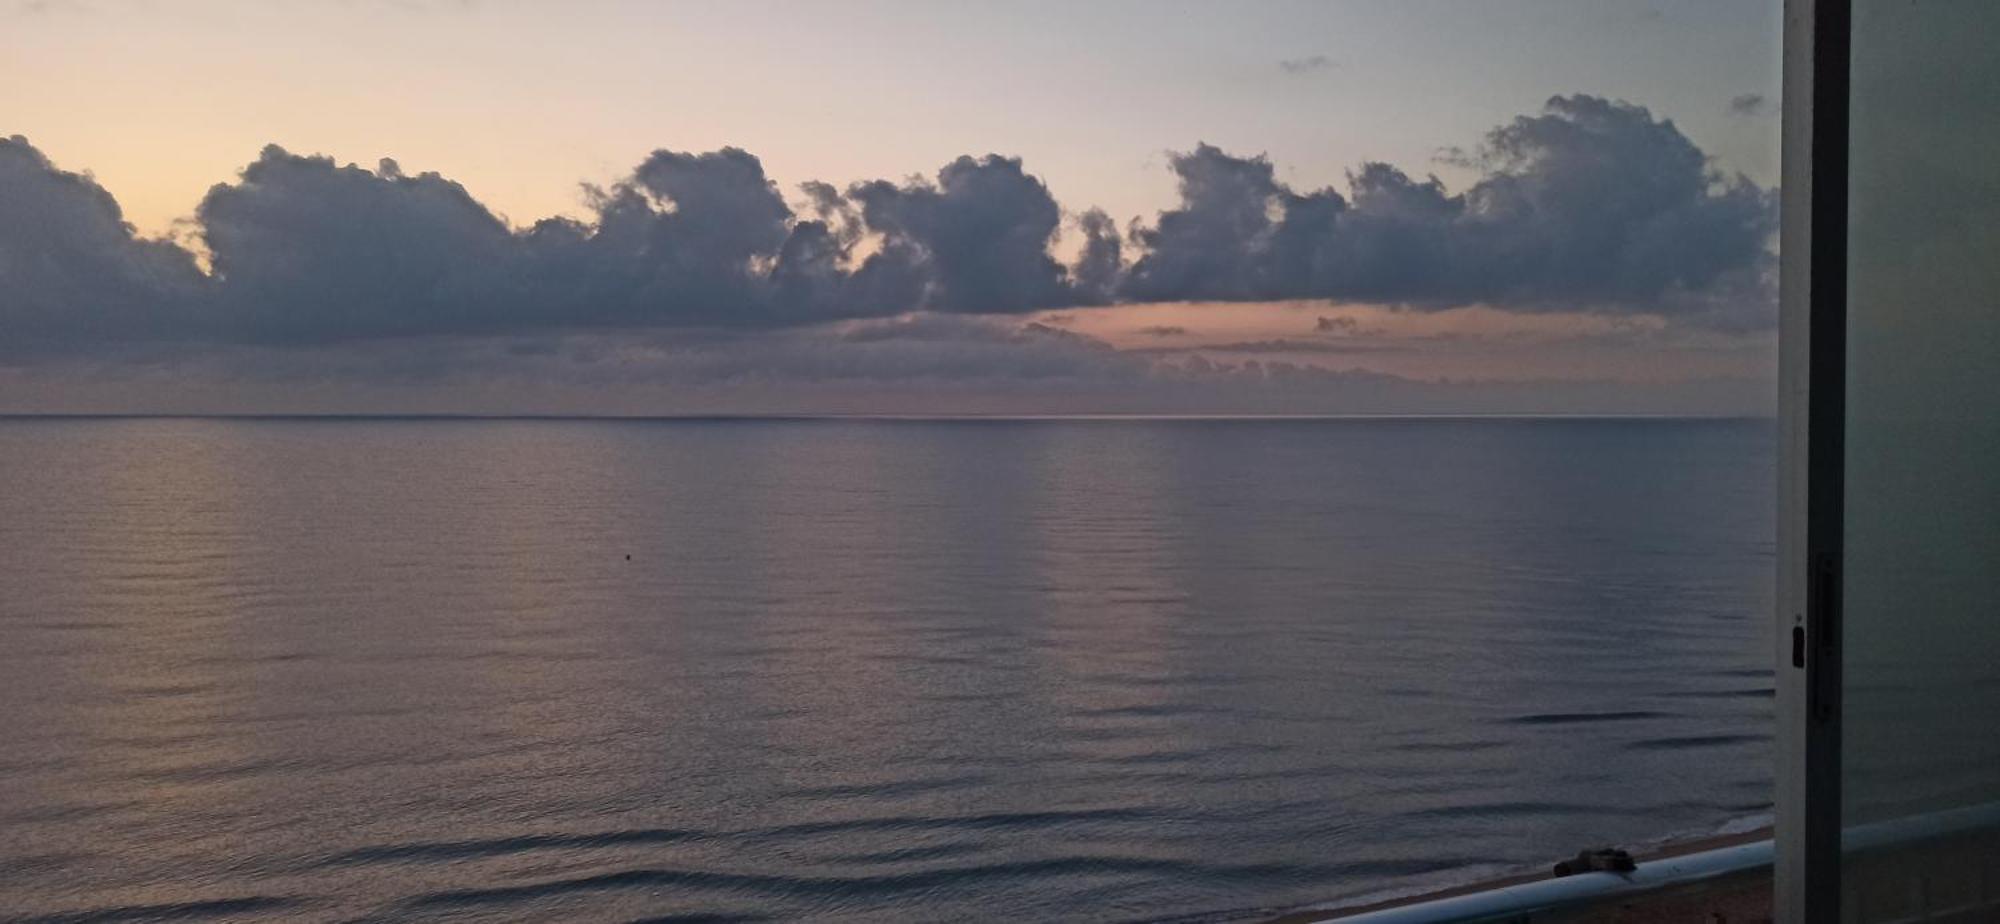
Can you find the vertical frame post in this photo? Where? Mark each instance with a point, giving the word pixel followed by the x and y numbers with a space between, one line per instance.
pixel 1812 414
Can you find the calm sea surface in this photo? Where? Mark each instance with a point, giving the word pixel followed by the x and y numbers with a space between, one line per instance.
pixel 862 670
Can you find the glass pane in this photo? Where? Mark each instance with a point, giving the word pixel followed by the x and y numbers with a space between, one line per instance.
pixel 1921 723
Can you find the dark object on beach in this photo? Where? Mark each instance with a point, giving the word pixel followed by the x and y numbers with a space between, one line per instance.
pixel 1601 860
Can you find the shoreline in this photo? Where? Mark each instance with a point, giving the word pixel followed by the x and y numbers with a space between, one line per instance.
pixel 1747 900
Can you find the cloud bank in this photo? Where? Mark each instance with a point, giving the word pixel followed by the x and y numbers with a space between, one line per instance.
pixel 1590 205
pixel 915 364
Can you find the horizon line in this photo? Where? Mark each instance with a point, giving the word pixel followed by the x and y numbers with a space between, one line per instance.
pixel 883 417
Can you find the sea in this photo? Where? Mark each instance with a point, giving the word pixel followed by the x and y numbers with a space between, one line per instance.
pixel 864 669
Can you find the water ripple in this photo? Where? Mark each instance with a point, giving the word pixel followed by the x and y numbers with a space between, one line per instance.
pixel 1694 741
pixel 173 911
pixel 1571 718
pixel 457 850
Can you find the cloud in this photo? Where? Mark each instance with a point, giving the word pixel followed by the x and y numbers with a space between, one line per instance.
pixel 1590 205
pixel 306 251
pixel 1097 270
pixel 71 269
pixel 915 364
pixel 1342 326
pixel 903 350
pixel 688 240
pixel 1283 346
pixel 979 236
pixel 1749 104
pixel 1305 65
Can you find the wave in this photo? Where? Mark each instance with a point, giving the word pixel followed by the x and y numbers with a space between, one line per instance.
pixel 1694 741
pixel 185 911
pixel 457 850
pixel 828 888
pixel 1570 718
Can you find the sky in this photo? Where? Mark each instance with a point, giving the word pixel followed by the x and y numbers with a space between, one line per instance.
pixel 474 206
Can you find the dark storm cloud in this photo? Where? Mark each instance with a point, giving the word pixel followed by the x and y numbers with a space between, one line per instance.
pixel 1590 205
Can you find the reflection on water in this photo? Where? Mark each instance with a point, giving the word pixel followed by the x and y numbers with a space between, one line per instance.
pixel 864 670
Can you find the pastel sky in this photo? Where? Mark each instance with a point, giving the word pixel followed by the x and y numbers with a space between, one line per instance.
pixel 986 288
